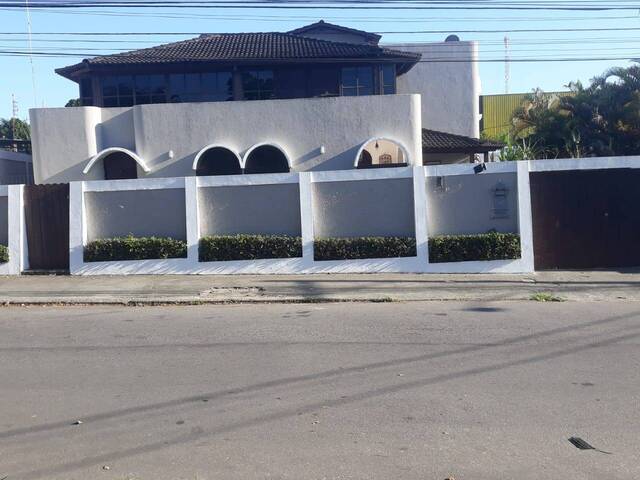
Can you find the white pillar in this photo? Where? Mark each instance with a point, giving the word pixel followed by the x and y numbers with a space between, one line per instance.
pixel 420 214
pixel 16 229
pixel 77 227
pixel 192 216
pixel 306 217
pixel 525 220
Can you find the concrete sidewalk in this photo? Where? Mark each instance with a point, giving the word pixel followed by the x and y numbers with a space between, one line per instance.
pixel 571 286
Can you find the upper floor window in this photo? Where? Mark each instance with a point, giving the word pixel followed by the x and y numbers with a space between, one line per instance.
pixel 258 84
pixel 201 87
pixel 357 81
pixel 388 79
pixel 150 89
pixel 86 92
pixel 117 91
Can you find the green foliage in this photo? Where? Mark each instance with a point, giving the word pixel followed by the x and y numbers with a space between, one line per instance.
pixel 74 102
pixel 22 130
pixel 249 247
pixel 599 120
pixel 364 247
pixel 4 254
pixel 466 248
pixel 133 248
pixel 546 297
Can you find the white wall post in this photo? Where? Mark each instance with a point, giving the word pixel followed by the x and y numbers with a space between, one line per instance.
pixel 17 238
pixel 77 226
pixel 306 217
pixel 192 216
pixel 525 220
pixel 420 214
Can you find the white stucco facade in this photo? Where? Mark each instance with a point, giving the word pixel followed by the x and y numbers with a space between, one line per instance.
pixel 448 79
pixel 315 134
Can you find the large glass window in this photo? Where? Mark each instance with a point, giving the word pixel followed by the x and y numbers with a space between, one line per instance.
pixel 324 82
pixel 357 81
pixel 117 91
pixel 86 92
pixel 388 79
pixel 258 84
pixel 291 83
pixel 150 89
pixel 201 87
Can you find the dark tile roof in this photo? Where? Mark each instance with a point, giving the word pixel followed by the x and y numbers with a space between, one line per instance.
pixel 247 47
pixel 322 24
pixel 434 141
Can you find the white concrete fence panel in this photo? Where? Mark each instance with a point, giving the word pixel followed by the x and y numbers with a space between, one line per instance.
pixel 311 221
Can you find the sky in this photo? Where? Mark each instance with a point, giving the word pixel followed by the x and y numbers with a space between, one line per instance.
pixel 19 75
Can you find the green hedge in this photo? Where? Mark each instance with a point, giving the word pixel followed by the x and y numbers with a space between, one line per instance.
pixel 463 248
pixel 364 247
pixel 4 254
pixel 134 248
pixel 248 247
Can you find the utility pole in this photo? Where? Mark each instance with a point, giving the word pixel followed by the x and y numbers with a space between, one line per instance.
pixel 14 116
pixel 507 65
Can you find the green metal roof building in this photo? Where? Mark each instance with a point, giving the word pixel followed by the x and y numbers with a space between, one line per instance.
pixel 496 112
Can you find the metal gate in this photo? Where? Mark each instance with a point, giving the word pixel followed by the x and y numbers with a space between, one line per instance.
pixel 46 209
pixel 585 219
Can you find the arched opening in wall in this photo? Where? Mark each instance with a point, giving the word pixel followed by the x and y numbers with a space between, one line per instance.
pixel 217 161
pixel 381 153
pixel 365 160
pixel 266 159
pixel 119 166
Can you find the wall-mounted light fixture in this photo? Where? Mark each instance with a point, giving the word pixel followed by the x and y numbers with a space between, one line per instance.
pixel 481 167
pixel 322 149
pixel 171 154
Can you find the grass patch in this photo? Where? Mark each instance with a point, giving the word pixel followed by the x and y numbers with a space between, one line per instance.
pixel 4 254
pixel 220 248
pixel 134 248
pixel 479 247
pixel 546 297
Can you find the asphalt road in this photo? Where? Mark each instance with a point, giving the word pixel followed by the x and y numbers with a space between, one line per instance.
pixel 341 391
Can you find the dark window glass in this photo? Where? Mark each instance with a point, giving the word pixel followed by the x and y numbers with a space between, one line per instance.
pixel 324 82
pixel 143 89
pixel 109 87
pixel 292 83
pixel 109 101
pixel 197 87
pixel 357 81
pixel 86 92
pixel 158 89
pixel 258 84
pixel 217 86
pixel 389 79
pixel 177 88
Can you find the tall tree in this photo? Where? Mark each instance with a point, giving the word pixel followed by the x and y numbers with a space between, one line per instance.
pixel 599 120
pixel 14 128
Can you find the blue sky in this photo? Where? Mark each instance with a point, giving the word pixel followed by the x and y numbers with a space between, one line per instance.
pixel 52 90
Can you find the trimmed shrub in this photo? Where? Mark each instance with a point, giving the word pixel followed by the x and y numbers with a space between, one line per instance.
pixel 465 248
pixel 218 248
pixel 134 248
pixel 4 254
pixel 364 247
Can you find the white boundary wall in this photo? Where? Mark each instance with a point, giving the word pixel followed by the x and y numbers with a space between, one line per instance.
pixel 305 264
pixel 18 256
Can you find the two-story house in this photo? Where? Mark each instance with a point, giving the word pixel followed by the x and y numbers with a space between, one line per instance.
pixel 321 97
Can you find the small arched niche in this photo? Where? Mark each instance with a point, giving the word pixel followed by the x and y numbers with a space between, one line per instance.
pixel 381 153
pixel 217 160
pixel 266 158
pixel 118 164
